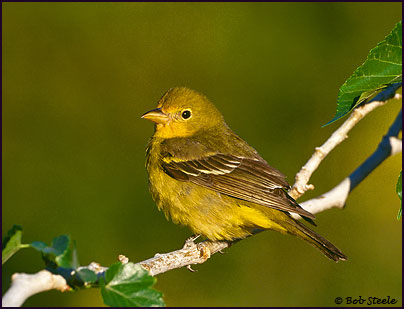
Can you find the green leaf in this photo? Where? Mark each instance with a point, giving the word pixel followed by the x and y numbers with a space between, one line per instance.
pixel 39 245
pixel 60 254
pixel 68 257
pixel 382 68
pixel 399 190
pixel 129 285
pixel 12 243
pixel 87 275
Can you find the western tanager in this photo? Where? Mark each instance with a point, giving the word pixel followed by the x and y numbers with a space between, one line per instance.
pixel 203 175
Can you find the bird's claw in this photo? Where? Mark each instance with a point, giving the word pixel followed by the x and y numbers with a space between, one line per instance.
pixel 190 269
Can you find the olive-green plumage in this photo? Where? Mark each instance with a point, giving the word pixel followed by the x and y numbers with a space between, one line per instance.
pixel 201 174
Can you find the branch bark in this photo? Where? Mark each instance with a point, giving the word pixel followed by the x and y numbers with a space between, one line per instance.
pixel 389 146
pixel 26 285
pixel 190 254
pixel 302 177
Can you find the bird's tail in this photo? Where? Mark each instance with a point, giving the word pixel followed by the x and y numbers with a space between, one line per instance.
pixel 317 241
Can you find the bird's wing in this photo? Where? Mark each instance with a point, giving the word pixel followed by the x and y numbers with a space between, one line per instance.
pixel 249 179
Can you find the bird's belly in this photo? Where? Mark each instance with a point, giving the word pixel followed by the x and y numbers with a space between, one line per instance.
pixel 211 214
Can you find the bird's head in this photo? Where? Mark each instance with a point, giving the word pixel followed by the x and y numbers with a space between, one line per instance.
pixel 182 112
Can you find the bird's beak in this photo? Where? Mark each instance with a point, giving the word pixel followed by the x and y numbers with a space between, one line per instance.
pixel 156 115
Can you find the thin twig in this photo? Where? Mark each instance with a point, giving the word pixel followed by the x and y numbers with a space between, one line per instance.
pixel 389 146
pixel 302 177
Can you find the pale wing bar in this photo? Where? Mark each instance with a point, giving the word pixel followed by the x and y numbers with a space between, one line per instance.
pixel 247 179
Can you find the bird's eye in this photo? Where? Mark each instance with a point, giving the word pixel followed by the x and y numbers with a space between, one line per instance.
pixel 186 114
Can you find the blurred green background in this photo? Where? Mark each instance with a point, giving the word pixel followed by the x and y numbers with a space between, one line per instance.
pixel 77 77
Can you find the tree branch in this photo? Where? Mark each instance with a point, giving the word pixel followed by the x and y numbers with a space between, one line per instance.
pixel 389 146
pixel 25 285
pixel 190 254
pixel 302 177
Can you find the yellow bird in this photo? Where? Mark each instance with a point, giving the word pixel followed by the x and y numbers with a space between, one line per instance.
pixel 204 176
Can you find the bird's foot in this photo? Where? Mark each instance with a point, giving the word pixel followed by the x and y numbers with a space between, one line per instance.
pixel 190 269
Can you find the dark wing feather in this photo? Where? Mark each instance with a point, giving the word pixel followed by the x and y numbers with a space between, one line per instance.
pixel 249 179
